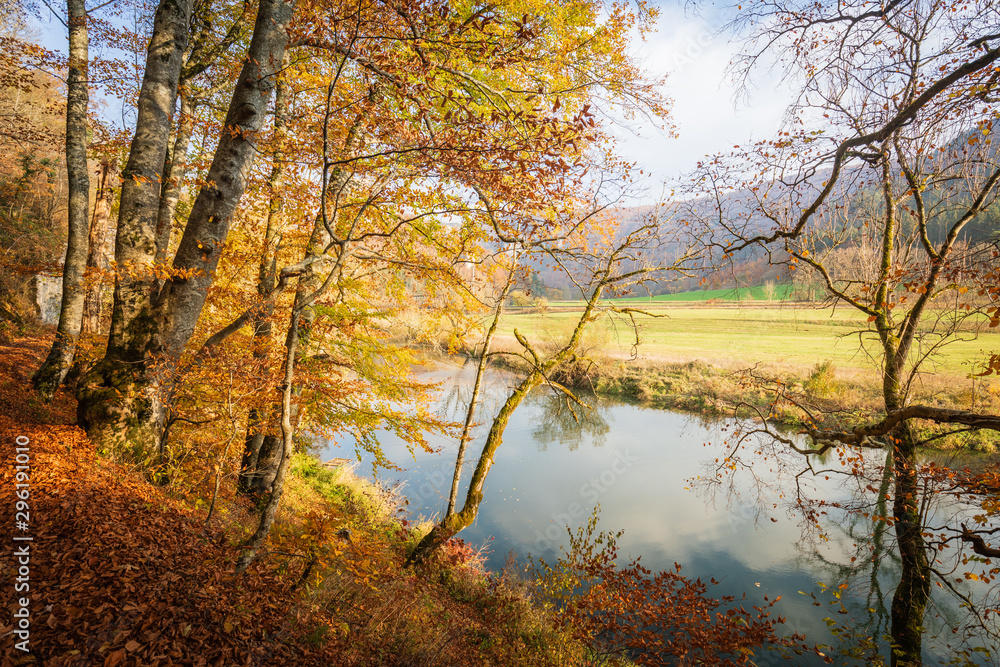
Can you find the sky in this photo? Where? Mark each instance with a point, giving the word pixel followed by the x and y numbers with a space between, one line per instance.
pixel 691 50
pixel 707 117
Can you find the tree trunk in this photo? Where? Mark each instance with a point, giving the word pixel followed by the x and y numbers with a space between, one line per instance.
pixel 909 602
pixel 119 402
pixel 174 170
pixel 260 441
pixel 48 378
pixel 97 261
pixel 305 296
pixel 463 441
pixel 181 301
pixel 455 522
pixel 256 541
pixel 148 337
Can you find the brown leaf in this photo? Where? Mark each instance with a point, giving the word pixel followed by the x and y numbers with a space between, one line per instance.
pixel 115 658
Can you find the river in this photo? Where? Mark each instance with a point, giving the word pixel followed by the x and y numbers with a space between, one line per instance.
pixel 643 466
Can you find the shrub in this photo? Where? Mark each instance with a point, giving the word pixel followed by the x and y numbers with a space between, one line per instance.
pixel 822 381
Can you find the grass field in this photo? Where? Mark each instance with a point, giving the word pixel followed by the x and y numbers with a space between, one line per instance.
pixel 756 293
pixel 777 336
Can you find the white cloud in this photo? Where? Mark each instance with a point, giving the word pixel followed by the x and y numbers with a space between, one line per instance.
pixel 706 114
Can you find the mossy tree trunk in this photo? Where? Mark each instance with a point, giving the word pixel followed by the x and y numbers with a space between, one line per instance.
pixel 604 276
pixel 119 402
pixel 124 396
pixel 60 358
pixel 457 521
pixel 470 413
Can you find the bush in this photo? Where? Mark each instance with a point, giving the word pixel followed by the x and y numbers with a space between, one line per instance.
pixel 822 381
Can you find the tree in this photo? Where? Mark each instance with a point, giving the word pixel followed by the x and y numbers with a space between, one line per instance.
pixel 613 265
pixel 378 152
pixel 120 397
pixel 446 109
pixel 48 378
pixel 902 164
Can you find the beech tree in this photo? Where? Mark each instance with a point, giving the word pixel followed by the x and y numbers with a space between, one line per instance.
pixel 120 397
pixel 454 99
pixel 901 162
pixel 48 378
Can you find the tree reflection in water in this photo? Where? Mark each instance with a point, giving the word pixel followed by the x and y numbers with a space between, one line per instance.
pixel 564 422
pixel 841 500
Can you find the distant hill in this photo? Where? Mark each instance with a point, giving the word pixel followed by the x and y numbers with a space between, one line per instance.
pixel 752 267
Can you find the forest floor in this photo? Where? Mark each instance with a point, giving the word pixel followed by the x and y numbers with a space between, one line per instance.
pixel 120 572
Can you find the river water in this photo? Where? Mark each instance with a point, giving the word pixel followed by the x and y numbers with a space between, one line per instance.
pixel 643 466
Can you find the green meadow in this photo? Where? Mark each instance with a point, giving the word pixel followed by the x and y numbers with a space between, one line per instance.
pixel 775 335
pixel 729 294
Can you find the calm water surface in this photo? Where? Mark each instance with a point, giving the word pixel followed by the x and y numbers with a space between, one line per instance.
pixel 639 464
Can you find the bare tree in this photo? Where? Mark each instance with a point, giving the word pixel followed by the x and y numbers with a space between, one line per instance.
pixel 889 155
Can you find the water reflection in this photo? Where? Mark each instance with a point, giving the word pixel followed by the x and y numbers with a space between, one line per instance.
pixel 565 423
pixel 638 463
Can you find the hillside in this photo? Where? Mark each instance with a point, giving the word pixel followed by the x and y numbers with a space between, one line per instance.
pixel 124 573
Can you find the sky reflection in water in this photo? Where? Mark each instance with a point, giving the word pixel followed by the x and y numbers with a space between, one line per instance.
pixel 637 463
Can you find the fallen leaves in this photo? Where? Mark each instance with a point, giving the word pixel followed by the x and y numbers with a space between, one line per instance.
pixel 123 574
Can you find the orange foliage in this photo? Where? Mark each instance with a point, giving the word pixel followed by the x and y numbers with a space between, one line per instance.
pixel 660 618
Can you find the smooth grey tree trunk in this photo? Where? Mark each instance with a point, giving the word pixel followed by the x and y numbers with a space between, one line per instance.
pixel 149 331
pixel 135 243
pixel 255 472
pixel 52 371
pixel 175 169
pixel 181 300
pixel 118 401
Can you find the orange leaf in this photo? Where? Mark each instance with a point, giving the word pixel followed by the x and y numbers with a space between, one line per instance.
pixel 115 658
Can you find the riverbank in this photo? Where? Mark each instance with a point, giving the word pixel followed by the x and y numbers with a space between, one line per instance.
pixel 125 573
pixel 726 389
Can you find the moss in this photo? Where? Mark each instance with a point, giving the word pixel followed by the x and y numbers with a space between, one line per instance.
pixel 318 635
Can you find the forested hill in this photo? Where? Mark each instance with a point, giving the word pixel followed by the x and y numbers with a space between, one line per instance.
pixel 715 218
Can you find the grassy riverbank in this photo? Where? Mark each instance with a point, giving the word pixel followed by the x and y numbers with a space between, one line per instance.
pixel 125 573
pixel 699 359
